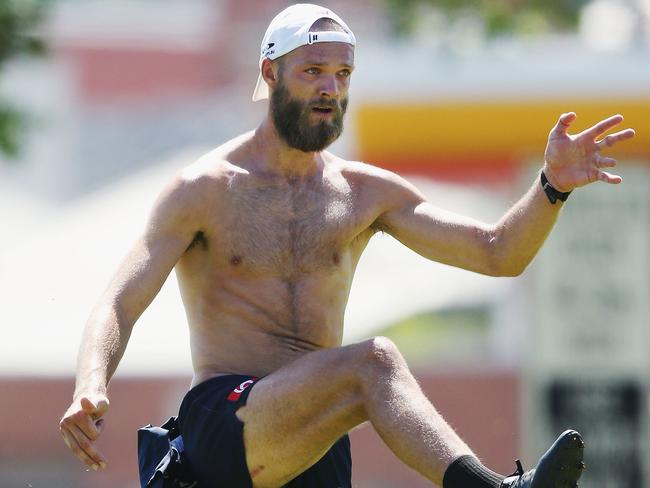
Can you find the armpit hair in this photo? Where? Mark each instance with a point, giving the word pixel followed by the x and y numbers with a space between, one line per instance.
pixel 379 226
pixel 199 240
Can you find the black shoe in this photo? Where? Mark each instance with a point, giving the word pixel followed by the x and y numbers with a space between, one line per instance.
pixel 559 467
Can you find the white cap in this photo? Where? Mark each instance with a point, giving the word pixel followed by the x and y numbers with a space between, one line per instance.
pixel 290 30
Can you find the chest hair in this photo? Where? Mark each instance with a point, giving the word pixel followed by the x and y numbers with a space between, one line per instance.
pixel 292 229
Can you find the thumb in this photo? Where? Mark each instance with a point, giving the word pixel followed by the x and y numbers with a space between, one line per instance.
pixel 563 123
pixel 95 406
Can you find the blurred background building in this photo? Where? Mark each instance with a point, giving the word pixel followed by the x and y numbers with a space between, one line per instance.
pixel 458 96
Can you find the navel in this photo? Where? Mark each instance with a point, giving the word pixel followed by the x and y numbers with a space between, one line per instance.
pixel 235 260
pixel 336 258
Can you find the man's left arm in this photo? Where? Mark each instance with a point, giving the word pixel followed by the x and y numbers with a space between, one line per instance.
pixel 507 247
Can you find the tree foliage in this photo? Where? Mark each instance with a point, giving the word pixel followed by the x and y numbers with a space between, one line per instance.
pixel 18 22
pixel 500 17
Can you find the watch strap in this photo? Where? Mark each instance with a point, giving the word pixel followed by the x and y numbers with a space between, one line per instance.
pixel 552 194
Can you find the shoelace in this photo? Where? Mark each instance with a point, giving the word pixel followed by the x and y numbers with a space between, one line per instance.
pixel 520 469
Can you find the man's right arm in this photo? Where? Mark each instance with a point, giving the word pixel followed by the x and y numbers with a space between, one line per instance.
pixel 174 221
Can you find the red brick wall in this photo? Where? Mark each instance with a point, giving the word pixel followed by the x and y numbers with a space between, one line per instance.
pixel 107 75
pixel 482 407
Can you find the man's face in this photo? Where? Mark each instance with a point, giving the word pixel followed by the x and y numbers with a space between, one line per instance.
pixel 310 98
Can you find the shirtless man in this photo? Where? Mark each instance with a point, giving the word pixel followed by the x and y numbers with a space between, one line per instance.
pixel 265 233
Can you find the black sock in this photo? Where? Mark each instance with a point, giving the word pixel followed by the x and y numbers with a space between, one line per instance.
pixel 468 472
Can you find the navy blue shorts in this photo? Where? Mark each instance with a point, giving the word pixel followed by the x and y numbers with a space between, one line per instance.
pixel 214 440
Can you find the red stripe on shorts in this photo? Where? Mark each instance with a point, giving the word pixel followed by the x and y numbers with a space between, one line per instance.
pixel 236 393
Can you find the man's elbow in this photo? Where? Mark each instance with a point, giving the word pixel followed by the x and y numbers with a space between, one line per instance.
pixel 508 268
pixel 512 271
pixel 501 260
pixel 506 265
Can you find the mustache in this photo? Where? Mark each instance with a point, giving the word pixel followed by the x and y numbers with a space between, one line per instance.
pixel 325 103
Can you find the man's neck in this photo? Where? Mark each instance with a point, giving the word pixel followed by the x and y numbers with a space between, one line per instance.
pixel 281 159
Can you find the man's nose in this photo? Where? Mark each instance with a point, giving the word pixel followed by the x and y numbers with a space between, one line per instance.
pixel 329 87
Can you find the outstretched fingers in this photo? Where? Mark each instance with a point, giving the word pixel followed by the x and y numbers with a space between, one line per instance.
pixel 605 176
pixel 607 141
pixel 603 162
pixel 610 178
pixel 602 127
pixel 576 160
pixel 563 123
pixel 612 139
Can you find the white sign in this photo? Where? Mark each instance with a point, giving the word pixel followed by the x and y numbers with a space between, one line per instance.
pixel 589 347
pixel 592 282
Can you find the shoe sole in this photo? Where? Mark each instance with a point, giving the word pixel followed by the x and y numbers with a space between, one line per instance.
pixel 562 465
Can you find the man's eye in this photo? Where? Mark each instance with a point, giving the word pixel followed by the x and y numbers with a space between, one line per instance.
pixel 312 71
pixel 345 72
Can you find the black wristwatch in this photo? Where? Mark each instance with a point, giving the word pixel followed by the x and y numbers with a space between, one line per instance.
pixel 552 194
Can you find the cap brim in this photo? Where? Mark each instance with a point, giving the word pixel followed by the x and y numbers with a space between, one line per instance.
pixel 261 89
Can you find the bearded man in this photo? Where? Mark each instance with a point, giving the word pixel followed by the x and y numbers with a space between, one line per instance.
pixel 265 233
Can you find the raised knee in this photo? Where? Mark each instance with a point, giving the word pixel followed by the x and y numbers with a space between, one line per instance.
pixel 382 353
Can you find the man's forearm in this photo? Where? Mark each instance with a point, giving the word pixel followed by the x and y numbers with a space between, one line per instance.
pixel 103 343
pixel 523 229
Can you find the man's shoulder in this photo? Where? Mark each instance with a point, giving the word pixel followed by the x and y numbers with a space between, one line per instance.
pixel 215 166
pixel 362 172
pixel 380 186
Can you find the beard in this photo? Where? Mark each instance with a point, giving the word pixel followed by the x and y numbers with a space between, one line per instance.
pixel 291 119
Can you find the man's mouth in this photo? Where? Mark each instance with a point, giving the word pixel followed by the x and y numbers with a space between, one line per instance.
pixel 323 110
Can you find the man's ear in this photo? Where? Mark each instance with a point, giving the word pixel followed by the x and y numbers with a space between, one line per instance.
pixel 270 72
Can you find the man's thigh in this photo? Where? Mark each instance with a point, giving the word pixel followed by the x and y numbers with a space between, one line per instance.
pixel 294 415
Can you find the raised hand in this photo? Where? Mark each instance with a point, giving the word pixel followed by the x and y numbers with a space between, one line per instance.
pixel 571 161
pixel 81 426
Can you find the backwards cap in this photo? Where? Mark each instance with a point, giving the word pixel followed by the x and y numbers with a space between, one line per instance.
pixel 290 30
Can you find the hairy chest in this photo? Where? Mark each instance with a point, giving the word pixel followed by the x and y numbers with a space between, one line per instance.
pixel 288 229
